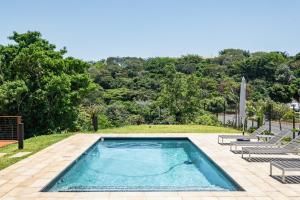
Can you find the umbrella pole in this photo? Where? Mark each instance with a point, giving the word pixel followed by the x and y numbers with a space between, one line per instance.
pixel 243 121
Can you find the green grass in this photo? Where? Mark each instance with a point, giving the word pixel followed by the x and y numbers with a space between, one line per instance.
pixel 32 145
pixel 169 129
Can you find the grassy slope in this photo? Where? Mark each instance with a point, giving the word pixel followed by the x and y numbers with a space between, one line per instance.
pixel 38 143
pixel 33 145
pixel 169 129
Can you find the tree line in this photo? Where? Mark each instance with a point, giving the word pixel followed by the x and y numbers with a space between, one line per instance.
pixel 53 92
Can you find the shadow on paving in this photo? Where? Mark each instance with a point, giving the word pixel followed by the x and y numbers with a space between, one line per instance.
pixel 240 152
pixel 236 151
pixel 288 179
pixel 262 159
pixel 224 144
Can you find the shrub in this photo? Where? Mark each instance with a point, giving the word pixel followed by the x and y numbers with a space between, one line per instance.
pixel 117 114
pixel 286 139
pixel 83 122
pixel 266 132
pixel 136 119
pixel 104 122
pixel 208 119
pixel 251 129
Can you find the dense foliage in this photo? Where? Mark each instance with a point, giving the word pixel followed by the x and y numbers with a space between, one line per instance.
pixel 193 89
pixel 39 84
pixel 53 92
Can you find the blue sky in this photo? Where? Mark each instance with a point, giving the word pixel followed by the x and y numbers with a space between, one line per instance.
pixel 96 29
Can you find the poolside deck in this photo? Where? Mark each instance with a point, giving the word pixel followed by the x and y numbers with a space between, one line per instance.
pixel 25 179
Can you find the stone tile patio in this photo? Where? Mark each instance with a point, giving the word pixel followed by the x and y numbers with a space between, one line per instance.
pixel 20 154
pixel 25 179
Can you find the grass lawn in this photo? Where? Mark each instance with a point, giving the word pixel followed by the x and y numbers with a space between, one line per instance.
pixel 38 143
pixel 32 145
pixel 169 129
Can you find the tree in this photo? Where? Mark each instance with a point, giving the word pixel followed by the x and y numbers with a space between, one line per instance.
pixel 188 64
pixel 280 93
pixel 179 95
pixel 54 92
pixel 261 67
pixel 229 89
pixel 260 108
pixel 46 88
pixel 250 111
pixel 279 112
pixel 295 88
pixel 117 114
pixel 94 110
pixel 258 89
pixel 94 105
pixel 12 94
pixel 172 94
pixel 157 65
pixel 231 56
pixel 283 74
pixel 215 105
pixel 269 109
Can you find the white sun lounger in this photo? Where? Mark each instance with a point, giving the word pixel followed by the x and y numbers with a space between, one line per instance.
pixel 271 142
pixel 292 147
pixel 253 135
pixel 285 166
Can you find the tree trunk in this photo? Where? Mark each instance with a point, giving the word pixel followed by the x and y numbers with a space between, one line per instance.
pixel 178 117
pixel 270 119
pixel 95 122
pixel 258 121
pixel 280 124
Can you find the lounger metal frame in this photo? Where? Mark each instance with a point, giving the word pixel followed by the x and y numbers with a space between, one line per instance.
pixel 285 166
pixel 273 141
pixel 292 147
pixel 253 135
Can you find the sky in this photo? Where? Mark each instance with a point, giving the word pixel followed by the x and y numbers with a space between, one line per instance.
pixel 97 29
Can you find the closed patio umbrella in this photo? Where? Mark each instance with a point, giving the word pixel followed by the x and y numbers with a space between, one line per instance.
pixel 242 110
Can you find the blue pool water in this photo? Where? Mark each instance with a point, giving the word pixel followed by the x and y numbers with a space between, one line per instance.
pixel 143 165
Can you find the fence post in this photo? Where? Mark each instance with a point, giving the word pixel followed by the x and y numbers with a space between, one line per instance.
pixel 20 132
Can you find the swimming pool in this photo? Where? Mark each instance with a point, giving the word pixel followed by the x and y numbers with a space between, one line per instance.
pixel 143 164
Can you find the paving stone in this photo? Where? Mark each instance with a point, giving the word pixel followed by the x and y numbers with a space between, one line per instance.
pixel 20 154
pixel 2 154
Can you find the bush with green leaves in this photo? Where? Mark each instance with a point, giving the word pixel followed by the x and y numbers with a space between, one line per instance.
pixel 135 120
pixel 208 119
pixel 104 122
pixel 251 129
pixel 117 114
pixel 83 122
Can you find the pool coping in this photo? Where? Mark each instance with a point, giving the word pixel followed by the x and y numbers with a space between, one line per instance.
pixel 42 167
